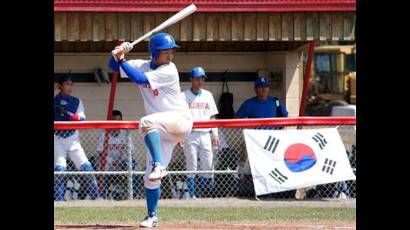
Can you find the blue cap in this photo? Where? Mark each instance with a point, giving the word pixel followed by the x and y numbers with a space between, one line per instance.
pixel 161 41
pixel 261 82
pixel 198 72
pixel 63 78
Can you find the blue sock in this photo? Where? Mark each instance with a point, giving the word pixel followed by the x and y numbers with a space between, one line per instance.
pixel 153 142
pixel 59 184
pixel 202 185
pixel 94 193
pixel 59 188
pixel 190 182
pixel 152 197
pixel 91 180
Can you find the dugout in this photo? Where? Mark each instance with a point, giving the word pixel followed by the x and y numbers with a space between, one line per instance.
pixel 247 38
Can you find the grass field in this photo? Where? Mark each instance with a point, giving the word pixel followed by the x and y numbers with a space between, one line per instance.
pixel 129 215
pixel 258 215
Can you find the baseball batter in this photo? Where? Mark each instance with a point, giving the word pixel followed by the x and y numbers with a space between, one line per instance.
pixel 167 119
pixel 198 145
pixel 69 108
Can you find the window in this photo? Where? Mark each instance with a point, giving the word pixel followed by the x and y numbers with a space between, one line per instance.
pixel 350 60
pixel 322 62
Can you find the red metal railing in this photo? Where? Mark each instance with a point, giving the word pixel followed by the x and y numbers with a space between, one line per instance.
pixel 227 123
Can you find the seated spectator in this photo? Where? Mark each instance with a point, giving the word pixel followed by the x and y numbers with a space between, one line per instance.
pixel 120 147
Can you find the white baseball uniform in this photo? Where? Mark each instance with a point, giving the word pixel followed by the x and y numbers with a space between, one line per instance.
pixel 165 109
pixel 119 147
pixel 198 143
pixel 70 144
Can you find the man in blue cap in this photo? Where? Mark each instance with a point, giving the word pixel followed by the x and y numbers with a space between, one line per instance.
pixel 262 106
pixel 198 145
pixel 67 142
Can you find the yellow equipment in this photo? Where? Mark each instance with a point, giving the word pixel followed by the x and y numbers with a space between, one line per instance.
pixel 333 79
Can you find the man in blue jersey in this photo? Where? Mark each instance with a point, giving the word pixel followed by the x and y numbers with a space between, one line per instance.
pixel 69 108
pixel 262 105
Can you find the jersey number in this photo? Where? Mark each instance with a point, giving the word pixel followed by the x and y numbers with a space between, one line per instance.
pixel 155 92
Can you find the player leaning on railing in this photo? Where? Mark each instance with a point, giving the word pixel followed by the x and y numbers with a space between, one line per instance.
pixel 167 119
pixel 69 108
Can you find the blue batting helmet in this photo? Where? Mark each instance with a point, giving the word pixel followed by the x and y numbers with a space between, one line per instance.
pixel 161 41
pixel 261 82
pixel 198 72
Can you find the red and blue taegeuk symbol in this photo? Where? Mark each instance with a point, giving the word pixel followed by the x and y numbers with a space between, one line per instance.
pixel 299 157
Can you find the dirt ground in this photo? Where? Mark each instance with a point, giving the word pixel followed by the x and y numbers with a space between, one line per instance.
pixel 284 226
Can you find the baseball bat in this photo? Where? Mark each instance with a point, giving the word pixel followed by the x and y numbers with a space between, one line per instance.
pixel 170 21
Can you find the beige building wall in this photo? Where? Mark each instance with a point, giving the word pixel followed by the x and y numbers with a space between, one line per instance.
pixel 294 82
pixel 129 101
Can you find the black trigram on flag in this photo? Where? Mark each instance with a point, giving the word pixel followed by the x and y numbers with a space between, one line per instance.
pixel 320 139
pixel 329 166
pixel 278 176
pixel 271 144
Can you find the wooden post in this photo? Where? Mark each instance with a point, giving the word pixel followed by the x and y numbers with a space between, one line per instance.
pixel 307 77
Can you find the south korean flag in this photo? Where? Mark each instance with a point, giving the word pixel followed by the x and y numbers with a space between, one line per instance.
pixel 282 160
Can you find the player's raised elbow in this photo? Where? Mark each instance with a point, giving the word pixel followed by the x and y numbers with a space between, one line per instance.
pixel 113 65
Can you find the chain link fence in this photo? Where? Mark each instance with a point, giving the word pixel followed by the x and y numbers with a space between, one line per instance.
pixel 119 176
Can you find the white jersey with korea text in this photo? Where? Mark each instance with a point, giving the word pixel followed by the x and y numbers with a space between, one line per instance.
pixel 119 146
pixel 201 106
pixel 163 94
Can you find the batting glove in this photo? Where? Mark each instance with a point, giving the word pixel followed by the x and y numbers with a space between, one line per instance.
pixel 122 49
pixel 126 46
pixel 118 53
